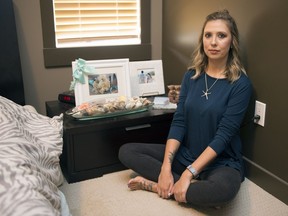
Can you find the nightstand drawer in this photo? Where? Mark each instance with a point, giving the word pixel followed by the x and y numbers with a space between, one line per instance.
pixel 100 148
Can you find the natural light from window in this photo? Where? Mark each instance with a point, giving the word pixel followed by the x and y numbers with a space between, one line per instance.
pixel 86 23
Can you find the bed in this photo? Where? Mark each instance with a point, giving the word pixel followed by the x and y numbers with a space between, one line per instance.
pixel 30 174
pixel 30 143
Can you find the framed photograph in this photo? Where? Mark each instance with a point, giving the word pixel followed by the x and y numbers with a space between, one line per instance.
pixel 146 78
pixel 100 80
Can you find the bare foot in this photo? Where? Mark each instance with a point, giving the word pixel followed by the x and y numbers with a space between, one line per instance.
pixel 140 183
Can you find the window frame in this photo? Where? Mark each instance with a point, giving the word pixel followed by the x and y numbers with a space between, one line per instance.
pixel 63 57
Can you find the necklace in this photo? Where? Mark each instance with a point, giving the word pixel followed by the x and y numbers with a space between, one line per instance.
pixel 206 93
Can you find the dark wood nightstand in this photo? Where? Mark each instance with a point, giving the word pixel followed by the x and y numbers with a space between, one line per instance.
pixel 90 147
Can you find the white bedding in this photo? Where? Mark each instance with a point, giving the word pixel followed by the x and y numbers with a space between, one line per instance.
pixel 30 146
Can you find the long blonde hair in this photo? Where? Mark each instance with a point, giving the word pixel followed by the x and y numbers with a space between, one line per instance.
pixel 234 66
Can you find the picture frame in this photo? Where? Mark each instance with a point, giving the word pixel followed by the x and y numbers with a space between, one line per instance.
pixel 146 78
pixel 100 80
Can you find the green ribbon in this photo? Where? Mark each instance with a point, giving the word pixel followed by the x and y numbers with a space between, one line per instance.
pixel 79 72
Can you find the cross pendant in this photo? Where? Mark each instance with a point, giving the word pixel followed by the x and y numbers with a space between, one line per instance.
pixel 205 93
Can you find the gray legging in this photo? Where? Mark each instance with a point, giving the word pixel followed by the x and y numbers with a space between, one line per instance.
pixel 215 187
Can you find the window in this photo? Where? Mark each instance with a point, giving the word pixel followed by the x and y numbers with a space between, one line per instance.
pixel 96 22
pixel 105 34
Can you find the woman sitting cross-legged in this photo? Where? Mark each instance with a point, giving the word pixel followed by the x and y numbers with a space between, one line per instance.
pixel 201 163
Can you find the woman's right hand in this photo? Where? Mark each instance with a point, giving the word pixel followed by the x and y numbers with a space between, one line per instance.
pixel 165 183
pixel 165 179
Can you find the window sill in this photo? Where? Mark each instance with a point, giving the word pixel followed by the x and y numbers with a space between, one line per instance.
pixel 63 57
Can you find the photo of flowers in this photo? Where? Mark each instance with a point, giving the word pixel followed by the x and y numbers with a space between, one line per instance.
pixel 103 84
pixel 100 80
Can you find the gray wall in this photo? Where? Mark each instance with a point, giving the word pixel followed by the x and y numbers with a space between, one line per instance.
pixel 263 28
pixel 42 84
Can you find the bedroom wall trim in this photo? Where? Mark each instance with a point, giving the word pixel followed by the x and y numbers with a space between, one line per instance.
pixel 266 180
pixel 62 57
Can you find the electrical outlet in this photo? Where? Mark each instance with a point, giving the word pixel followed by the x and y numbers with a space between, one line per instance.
pixel 260 110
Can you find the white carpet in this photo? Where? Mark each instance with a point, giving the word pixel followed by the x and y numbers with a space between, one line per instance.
pixel 110 196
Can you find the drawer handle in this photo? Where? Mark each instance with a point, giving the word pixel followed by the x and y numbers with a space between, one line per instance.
pixel 137 127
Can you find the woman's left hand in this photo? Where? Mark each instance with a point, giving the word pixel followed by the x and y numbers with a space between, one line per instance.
pixel 181 186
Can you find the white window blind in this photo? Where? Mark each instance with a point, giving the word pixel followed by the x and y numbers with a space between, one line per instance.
pixel 96 22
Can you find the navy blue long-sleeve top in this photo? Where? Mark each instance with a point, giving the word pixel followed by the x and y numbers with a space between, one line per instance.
pixel 215 122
